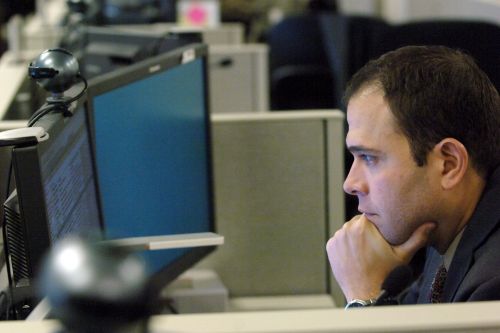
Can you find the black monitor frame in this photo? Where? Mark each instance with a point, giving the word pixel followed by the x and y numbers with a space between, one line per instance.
pixel 28 235
pixel 138 71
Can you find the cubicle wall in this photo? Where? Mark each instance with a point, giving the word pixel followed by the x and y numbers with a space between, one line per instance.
pixel 278 190
pixel 239 78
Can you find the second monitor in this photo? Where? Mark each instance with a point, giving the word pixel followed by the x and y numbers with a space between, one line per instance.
pixel 152 142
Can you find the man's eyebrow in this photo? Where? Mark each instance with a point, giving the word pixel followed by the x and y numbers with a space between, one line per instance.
pixel 358 149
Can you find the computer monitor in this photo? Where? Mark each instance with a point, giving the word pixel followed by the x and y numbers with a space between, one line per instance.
pixel 152 143
pixel 137 11
pixel 56 196
pixel 104 49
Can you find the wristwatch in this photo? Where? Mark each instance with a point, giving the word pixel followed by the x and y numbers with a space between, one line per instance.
pixel 359 303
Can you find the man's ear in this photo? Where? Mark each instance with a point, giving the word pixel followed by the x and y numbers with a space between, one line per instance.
pixel 454 161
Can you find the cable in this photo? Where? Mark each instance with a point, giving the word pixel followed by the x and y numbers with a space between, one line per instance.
pixel 37 113
pixel 61 105
pixel 36 117
pixel 80 94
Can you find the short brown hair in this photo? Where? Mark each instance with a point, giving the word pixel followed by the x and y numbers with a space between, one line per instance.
pixel 436 92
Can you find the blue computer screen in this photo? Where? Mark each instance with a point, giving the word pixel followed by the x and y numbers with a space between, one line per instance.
pixel 152 157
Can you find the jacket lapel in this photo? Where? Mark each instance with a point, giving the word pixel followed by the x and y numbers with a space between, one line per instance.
pixel 480 226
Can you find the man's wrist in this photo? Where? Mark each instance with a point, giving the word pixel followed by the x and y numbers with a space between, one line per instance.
pixel 360 303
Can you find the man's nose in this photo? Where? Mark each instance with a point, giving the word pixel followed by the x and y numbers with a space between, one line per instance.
pixel 354 183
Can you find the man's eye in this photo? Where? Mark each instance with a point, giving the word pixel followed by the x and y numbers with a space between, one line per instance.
pixel 369 159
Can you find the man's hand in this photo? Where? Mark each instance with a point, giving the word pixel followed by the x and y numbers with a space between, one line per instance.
pixel 361 258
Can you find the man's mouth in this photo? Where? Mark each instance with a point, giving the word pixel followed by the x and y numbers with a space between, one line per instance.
pixel 366 213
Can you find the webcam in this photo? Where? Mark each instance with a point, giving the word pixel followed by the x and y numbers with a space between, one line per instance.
pixel 55 70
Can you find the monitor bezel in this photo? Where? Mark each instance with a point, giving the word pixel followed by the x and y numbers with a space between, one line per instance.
pixel 141 70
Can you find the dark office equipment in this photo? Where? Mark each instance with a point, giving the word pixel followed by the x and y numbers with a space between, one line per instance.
pixel 151 124
pixel 56 196
pixel 55 70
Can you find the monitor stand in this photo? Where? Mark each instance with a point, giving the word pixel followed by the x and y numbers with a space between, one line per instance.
pixel 164 242
pixel 41 311
pixel 197 290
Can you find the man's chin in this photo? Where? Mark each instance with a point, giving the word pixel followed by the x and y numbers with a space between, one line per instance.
pixel 394 238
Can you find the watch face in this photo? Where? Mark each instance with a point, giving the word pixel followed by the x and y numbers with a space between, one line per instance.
pixel 356 304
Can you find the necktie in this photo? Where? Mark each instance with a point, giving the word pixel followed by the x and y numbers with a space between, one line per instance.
pixel 438 285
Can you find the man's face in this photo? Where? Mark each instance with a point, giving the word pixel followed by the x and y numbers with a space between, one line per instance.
pixel 393 192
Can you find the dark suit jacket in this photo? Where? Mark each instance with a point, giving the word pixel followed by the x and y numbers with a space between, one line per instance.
pixel 474 273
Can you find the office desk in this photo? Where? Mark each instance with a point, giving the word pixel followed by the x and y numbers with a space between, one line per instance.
pixel 457 318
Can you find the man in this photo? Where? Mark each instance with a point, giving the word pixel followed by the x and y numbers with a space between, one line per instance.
pixel 424 130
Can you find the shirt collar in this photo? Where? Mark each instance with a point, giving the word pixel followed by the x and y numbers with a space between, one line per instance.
pixel 450 252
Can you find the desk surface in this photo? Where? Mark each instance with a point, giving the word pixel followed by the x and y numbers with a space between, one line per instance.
pixel 286 302
pixel 456 318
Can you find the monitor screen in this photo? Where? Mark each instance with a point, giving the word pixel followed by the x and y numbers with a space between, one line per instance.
pixel 68 182
pixel 137 11
pixel 56 193
pixel 152 143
